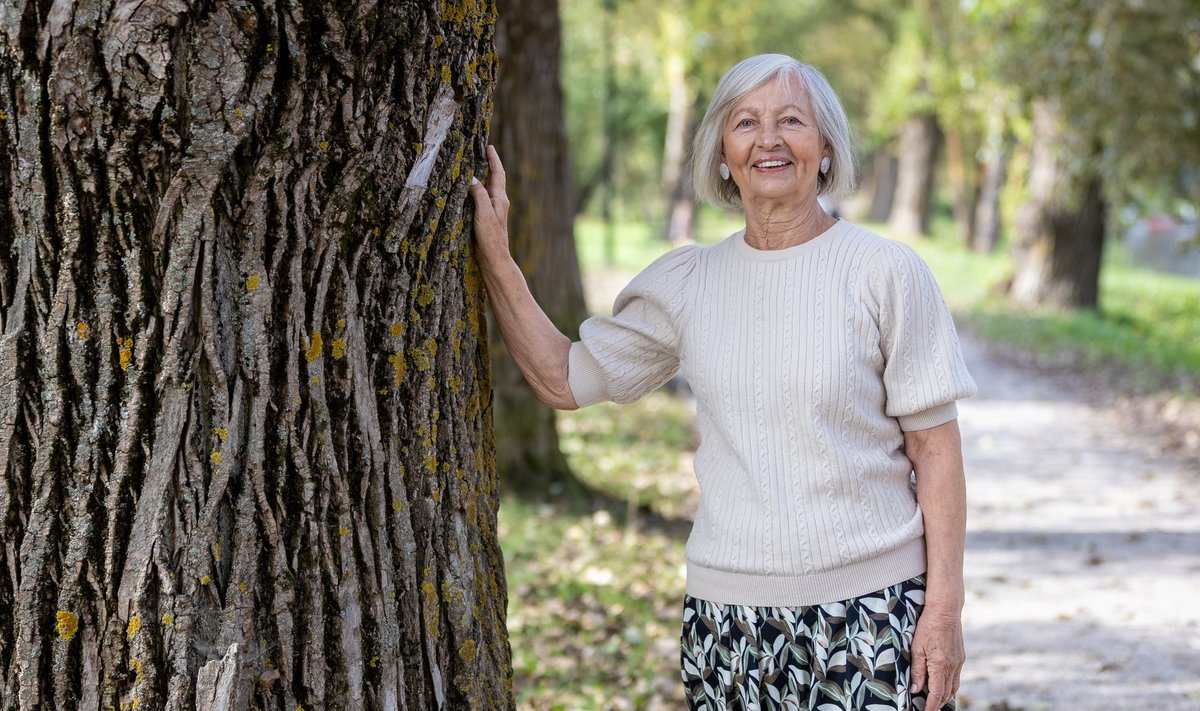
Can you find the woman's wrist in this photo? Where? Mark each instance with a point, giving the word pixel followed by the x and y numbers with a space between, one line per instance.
pixel 946 596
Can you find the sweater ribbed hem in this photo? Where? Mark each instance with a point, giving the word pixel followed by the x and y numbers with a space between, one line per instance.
pixel 843 583
pixel 584 377
pixel 934 416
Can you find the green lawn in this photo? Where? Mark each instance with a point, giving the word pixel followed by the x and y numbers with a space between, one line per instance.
pixel 596 587
pixel 1146 334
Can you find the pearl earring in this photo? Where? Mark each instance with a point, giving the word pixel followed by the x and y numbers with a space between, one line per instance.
pixel 724 170
pixel 824 165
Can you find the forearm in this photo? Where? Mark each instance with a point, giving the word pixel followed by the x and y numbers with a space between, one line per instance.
pixel 936 455
pixel 536 345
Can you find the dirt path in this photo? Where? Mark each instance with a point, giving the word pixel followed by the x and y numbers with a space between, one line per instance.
pixel 1083 555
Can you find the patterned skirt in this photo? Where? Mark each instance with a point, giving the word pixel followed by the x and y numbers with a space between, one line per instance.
pixel 842 656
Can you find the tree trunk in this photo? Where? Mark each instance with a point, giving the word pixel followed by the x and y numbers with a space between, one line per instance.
pixel 963 171
pixel 530 134
pixel 244 416
pixel 680 224
pixel 883 186
pixel 986 234
pixel 919 143
pixel 1060 231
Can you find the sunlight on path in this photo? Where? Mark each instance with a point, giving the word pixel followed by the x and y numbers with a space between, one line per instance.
pixel 1083 555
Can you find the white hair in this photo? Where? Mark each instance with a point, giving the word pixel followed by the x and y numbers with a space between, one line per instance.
pixel 746 76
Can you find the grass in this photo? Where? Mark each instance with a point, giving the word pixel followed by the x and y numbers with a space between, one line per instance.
pixel 1144 337
pixel 595 591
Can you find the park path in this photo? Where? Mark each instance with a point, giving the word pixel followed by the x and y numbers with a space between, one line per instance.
pixel 1083 554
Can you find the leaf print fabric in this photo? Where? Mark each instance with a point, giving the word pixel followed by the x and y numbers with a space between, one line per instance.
pixel 852 655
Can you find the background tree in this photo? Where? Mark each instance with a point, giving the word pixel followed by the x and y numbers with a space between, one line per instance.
pixel 1114 88
pixel 245 416
pixel 530 135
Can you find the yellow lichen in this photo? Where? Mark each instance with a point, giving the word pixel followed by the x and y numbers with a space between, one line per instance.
pixel 324 145
pixel 466 652
pixel 314 380
pixel 124 352
pixel 374 662
pixel 237 111
pixel 3 116
pixel 446 76
pixel 66 624
pixel 339 348
pixel 216 458
pixel 222 433
pixel 315 344
pixel 136 665
pixel 241 587
pixel 397 329
pixel 168 619
pixel 205 580
pixel 342 321
pixel 131 629
pixel 81 330
pixel 398 364
pixel 216 551
pixel 425 295
pixel 252 282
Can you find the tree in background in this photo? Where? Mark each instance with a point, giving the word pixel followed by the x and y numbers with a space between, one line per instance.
pixel 245 413
pixel 907 103
pixel 530 134
pixel 1114 88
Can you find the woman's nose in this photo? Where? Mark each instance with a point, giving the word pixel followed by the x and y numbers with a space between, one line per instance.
pixel 768 135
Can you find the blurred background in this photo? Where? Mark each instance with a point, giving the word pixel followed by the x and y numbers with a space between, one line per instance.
pixel 1044 158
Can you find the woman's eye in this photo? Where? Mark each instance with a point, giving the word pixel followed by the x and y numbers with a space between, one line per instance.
pixel 791 120
pixel 745 123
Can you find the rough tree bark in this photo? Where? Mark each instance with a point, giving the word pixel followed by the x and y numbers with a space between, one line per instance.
pixel 244 409
pixel 1059 232
pixel 919 144
pixel 530 134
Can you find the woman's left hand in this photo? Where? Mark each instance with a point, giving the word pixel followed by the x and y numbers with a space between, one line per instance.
pixel 937 656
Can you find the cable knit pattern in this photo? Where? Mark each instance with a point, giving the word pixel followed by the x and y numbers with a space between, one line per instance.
pixel 808 365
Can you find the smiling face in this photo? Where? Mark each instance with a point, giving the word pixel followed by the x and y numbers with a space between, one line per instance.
pixel 772 144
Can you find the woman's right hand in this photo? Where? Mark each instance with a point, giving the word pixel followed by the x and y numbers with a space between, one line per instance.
pixel 491 211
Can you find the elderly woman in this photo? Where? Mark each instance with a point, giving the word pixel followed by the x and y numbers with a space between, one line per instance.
pixel 824 568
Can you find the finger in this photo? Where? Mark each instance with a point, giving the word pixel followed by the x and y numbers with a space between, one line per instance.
pixel 940 685
pixel 918 670
pixel 480 195
pixel 496 178
pixel 937 696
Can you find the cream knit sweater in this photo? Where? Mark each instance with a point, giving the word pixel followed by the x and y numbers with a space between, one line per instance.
pixel 808 364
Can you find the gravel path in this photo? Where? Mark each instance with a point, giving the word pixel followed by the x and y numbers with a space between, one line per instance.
pixel 1083 555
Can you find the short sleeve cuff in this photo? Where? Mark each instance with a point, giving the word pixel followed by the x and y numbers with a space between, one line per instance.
pixel 934 416
pixel 584 377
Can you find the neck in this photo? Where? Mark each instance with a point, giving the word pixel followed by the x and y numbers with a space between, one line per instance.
pixel 779 225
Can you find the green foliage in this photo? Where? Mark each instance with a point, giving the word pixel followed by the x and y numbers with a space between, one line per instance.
pixel 1125 74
